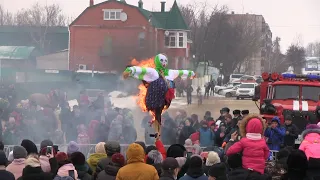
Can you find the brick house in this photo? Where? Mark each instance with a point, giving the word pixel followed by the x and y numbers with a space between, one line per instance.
pixel 108 35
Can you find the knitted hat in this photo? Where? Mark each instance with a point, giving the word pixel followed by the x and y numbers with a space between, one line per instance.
pixel 72 147
pixel 61 156
pixel 213 158
pixel 29 146
pixel 188 142
pixel 170 164
pixel 195 161
pixel 19 152
pixel 218 170
pixel 118 159
pixel 150 148
pixel 3 159
pixel 77 158
pixel 112 147
pixel 45 143
pixel 100 148
pixel 155 156
pixel 176 150
pixel 237 111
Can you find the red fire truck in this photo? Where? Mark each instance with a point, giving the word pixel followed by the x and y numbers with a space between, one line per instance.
pixel 289 94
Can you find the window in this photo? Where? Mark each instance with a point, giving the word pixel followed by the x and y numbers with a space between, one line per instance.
pixel 286 92
pixel 176 40
pixel 181 40
pixel 112 14
pixel 310 93
pixel 141 39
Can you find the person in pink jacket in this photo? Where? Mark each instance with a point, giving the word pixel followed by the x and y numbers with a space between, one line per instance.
pixel 310 144
pixel 252 144
pixel 17 165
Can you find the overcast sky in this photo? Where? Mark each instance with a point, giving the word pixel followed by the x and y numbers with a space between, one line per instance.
pixel 292 20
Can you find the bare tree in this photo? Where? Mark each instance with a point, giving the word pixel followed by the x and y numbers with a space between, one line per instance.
pixel 296 57
pixel 6 18
pixel 313 49
pixel 277 61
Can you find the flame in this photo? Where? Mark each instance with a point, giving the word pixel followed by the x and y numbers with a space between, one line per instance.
pixel 142 89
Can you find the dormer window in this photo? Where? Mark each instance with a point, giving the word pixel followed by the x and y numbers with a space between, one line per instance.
pixel 176 39
pixel 111 14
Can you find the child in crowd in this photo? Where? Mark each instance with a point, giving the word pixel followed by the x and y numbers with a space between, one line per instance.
pixel 252 146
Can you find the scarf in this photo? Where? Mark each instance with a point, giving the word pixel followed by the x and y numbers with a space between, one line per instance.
pixel 253 136
pixel 159 68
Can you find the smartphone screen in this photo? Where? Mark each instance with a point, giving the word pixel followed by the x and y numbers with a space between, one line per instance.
pixel 49 149
pixel 71 173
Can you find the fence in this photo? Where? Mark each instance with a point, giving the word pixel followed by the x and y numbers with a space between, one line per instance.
pixel 88 149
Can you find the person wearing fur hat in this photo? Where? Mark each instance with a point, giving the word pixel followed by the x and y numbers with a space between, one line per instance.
pixel 310 144
pixel 79 162
pixel 100 153
pixel 275 134
pixel 4 174
pixel 111 170
pixel 212 159
pixel 195 170
pixel 17 165
pixel 111 147
pixel 170 169
pixel 33 170
pixel 252 145
pixel 136 168
pixel 29 146
pixel 154 158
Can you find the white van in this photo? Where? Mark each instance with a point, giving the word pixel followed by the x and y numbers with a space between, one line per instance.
pixel 235 77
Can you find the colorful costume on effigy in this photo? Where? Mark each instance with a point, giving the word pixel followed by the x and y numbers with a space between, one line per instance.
pixel 159 84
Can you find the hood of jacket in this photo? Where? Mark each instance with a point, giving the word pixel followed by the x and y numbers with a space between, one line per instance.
pixel 307 133
pixel 135 153
pixel 64 170
pixel 34 173
pixel 277 119
pixel 19 161
pixel 112 169
pixel 45 164
pixel 95 158
pixel 244 122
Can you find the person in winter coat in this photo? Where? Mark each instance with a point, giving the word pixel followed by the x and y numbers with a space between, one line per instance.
pixel 111 170
pixel 170 169
pixel 275 134
pixel 17 165
pixel 33 170
pixel 297 166
pixel 195 170
pixel 111 147
pixel 218 172
pixel 168 129
pixel 186 131
pixel 130 135
pixel 100 153
pixel 292 132
pixel 195 122
pixel 253 147
pixel 63 171
pixel 101 131
pixel 44 160
pixel 154 158
pixel 212 159
pixel 79 162
pixel 310 143
pixel 72 147
pixel 4 175
pixel 115 131
pixel 207 137
pixel 220 135
pixel 136 168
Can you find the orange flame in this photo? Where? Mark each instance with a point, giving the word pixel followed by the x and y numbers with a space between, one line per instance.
pixel 142 89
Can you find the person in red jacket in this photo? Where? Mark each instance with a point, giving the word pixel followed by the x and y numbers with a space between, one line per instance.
pixel 252 144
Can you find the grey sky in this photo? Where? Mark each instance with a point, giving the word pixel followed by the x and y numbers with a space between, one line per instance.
pixel 292 20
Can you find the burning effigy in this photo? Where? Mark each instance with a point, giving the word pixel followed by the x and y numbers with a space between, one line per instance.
pixel 157 88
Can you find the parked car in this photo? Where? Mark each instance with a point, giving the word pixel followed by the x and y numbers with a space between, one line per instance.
pixel 218 89
pixel 246 90
pixel 235 77
pixel 258 79
pixel 230 92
